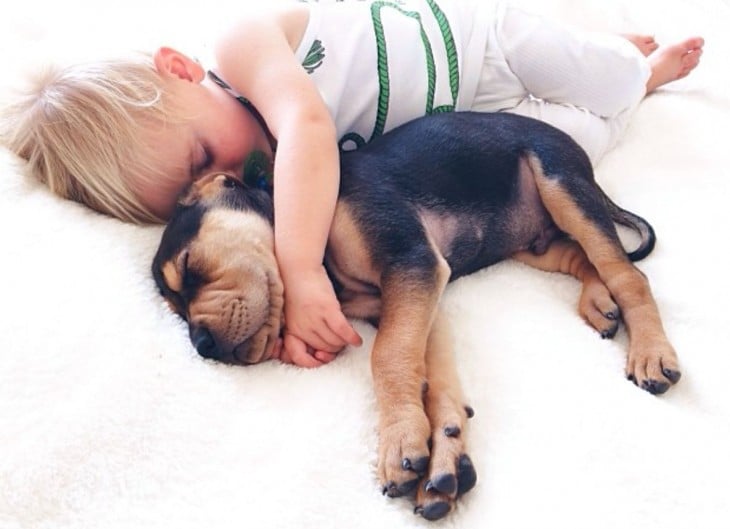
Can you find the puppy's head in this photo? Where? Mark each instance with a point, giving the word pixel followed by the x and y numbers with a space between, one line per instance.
pixel 216 268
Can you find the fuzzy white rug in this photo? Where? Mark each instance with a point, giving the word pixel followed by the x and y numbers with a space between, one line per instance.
pixel 108 417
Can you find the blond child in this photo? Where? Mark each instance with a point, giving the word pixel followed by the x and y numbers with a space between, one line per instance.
pixel 125 136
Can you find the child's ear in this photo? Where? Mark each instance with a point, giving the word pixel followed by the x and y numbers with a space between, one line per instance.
pixel 172 62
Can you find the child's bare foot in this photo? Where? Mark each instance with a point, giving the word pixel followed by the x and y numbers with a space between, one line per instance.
pixel 670 63
pixel 646 43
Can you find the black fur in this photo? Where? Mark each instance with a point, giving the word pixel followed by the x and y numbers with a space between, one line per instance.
pixel 465 166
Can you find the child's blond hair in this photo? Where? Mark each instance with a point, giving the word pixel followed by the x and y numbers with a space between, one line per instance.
pixel 80 130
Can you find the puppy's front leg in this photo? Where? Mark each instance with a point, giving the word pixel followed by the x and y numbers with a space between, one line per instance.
pixel 409 301
pixel 451 472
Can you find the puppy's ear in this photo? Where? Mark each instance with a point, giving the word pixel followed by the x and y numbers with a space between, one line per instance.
pixel 188 197
pixel 203 190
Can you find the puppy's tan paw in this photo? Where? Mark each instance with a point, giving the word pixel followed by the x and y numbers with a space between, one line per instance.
pixel 597 307
pixel 403 454
pixel 653 367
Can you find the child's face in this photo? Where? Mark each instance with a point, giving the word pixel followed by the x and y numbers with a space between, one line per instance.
pixel 218 137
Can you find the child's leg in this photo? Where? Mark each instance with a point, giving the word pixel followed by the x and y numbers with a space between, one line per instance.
pixel 598 134
pixel 587 85
pixel 603 73
pixel 595 134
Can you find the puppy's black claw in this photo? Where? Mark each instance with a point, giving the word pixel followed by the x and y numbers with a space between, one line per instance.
pixel 418 466
pixel 610 332
pixel 672 375
pixel 452 431
pixel 654 386
pixel 408 487
pixel 632 378
pixel 466 474
pixel 445 484
pixel 435 511
pixel 612 314
pixel 469 412
pixel 393 490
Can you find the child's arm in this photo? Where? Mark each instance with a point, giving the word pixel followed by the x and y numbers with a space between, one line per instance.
pixel 257 59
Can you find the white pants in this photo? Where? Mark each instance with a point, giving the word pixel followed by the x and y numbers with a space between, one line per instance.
pixel 586 84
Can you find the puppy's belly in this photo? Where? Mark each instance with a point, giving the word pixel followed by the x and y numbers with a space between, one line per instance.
pixel 470 241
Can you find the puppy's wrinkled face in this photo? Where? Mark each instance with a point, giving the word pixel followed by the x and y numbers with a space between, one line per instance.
pixel 216 268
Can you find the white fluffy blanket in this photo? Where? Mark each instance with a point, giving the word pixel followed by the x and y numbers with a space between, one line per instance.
pixel 108 417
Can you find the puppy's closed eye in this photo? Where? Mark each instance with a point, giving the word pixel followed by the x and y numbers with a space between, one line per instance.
pixel 190 279
pixel 231 183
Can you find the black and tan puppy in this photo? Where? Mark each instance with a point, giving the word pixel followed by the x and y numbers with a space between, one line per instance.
pixel 428 202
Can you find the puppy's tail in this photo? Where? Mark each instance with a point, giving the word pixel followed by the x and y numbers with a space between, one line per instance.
pixel 636 223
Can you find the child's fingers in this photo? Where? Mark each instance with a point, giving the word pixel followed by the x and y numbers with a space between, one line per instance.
pixel 324 356
pixel 296 351
pixel 324 338
pixel 344 331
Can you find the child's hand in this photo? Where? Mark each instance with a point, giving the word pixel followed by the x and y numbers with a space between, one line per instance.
pixel 305 356
pixel 316 329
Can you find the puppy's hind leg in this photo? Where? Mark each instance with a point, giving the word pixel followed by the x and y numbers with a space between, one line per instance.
pixel 596 306
pixel 578 209
pixel 451 472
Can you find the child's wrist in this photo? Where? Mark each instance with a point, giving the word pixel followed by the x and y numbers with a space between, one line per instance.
pixel 298 268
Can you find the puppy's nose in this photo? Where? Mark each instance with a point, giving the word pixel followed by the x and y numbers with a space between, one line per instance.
pixel 204 343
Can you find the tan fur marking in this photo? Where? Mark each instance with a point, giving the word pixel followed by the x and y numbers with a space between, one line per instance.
pixel 349 261
pixel 348 254
pixel 172 276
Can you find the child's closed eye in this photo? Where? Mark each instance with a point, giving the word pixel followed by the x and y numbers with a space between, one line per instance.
pixel 202 160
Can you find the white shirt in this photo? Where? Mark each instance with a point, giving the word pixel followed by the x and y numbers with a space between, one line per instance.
pixel 380 63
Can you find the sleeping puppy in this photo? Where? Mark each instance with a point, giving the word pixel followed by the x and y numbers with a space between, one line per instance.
pixel 428 202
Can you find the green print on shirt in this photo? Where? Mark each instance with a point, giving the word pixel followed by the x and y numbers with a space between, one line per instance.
pixel 315 57
pixel 384 74
pixel 258 171
pixel 451 55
